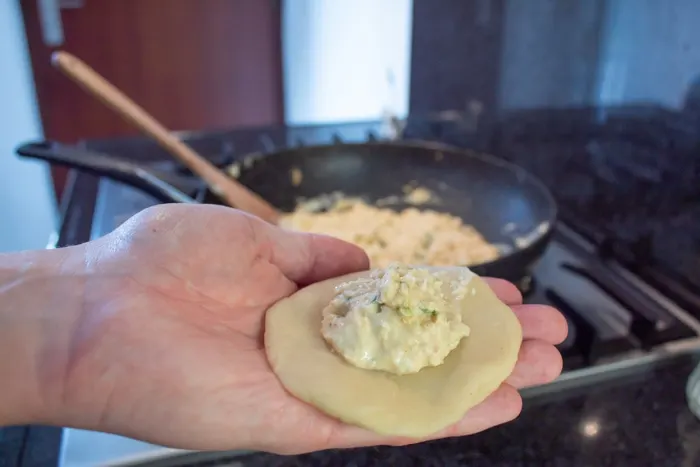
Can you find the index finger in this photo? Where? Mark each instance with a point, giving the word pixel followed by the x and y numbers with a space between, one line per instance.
pixel 505 291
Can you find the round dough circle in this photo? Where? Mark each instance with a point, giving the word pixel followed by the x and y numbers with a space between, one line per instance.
pixel 415 405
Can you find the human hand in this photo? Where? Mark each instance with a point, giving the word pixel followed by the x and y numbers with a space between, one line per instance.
pixel 168 347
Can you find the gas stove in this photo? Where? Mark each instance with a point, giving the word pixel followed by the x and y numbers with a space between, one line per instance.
pixel 625 310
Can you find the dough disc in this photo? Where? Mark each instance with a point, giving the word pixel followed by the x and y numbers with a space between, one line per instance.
pixel 415 405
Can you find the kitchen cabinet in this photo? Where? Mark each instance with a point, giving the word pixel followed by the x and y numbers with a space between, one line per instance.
pixel 193 64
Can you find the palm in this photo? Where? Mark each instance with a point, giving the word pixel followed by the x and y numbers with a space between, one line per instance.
pixel 183 343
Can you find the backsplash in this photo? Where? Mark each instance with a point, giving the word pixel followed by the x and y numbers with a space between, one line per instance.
pixel 553 54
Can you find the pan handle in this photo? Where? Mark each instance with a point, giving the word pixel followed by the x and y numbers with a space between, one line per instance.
pixel 105 166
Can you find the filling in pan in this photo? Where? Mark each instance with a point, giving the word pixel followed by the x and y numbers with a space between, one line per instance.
pixel 411 236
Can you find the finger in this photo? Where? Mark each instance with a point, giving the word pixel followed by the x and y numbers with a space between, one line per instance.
pixel 307 258
pixel 538 363
pixel 502 406
pixel 505 291
pixel 542 322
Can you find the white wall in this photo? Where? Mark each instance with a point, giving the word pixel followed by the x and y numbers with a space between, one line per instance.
pixel 337 55
pixel 27 214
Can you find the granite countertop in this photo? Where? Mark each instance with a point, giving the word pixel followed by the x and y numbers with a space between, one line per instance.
pixel 638 420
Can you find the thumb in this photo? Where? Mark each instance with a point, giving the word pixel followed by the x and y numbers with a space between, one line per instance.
pixel 306 258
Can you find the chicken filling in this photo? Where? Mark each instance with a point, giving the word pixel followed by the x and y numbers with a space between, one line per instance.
pixel 399 320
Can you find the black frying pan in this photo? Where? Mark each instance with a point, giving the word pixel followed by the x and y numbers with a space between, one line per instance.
pixel 502 201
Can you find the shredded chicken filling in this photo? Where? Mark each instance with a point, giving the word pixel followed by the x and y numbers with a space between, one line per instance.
pixel 398 320
pixel 411 236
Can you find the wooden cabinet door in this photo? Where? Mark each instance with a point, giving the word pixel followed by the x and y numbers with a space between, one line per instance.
pixel 193 64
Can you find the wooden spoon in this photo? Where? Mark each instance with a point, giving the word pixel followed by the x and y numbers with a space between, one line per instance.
pixel 232 192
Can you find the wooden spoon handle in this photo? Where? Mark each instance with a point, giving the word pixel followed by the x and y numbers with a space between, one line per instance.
pixel 232 192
